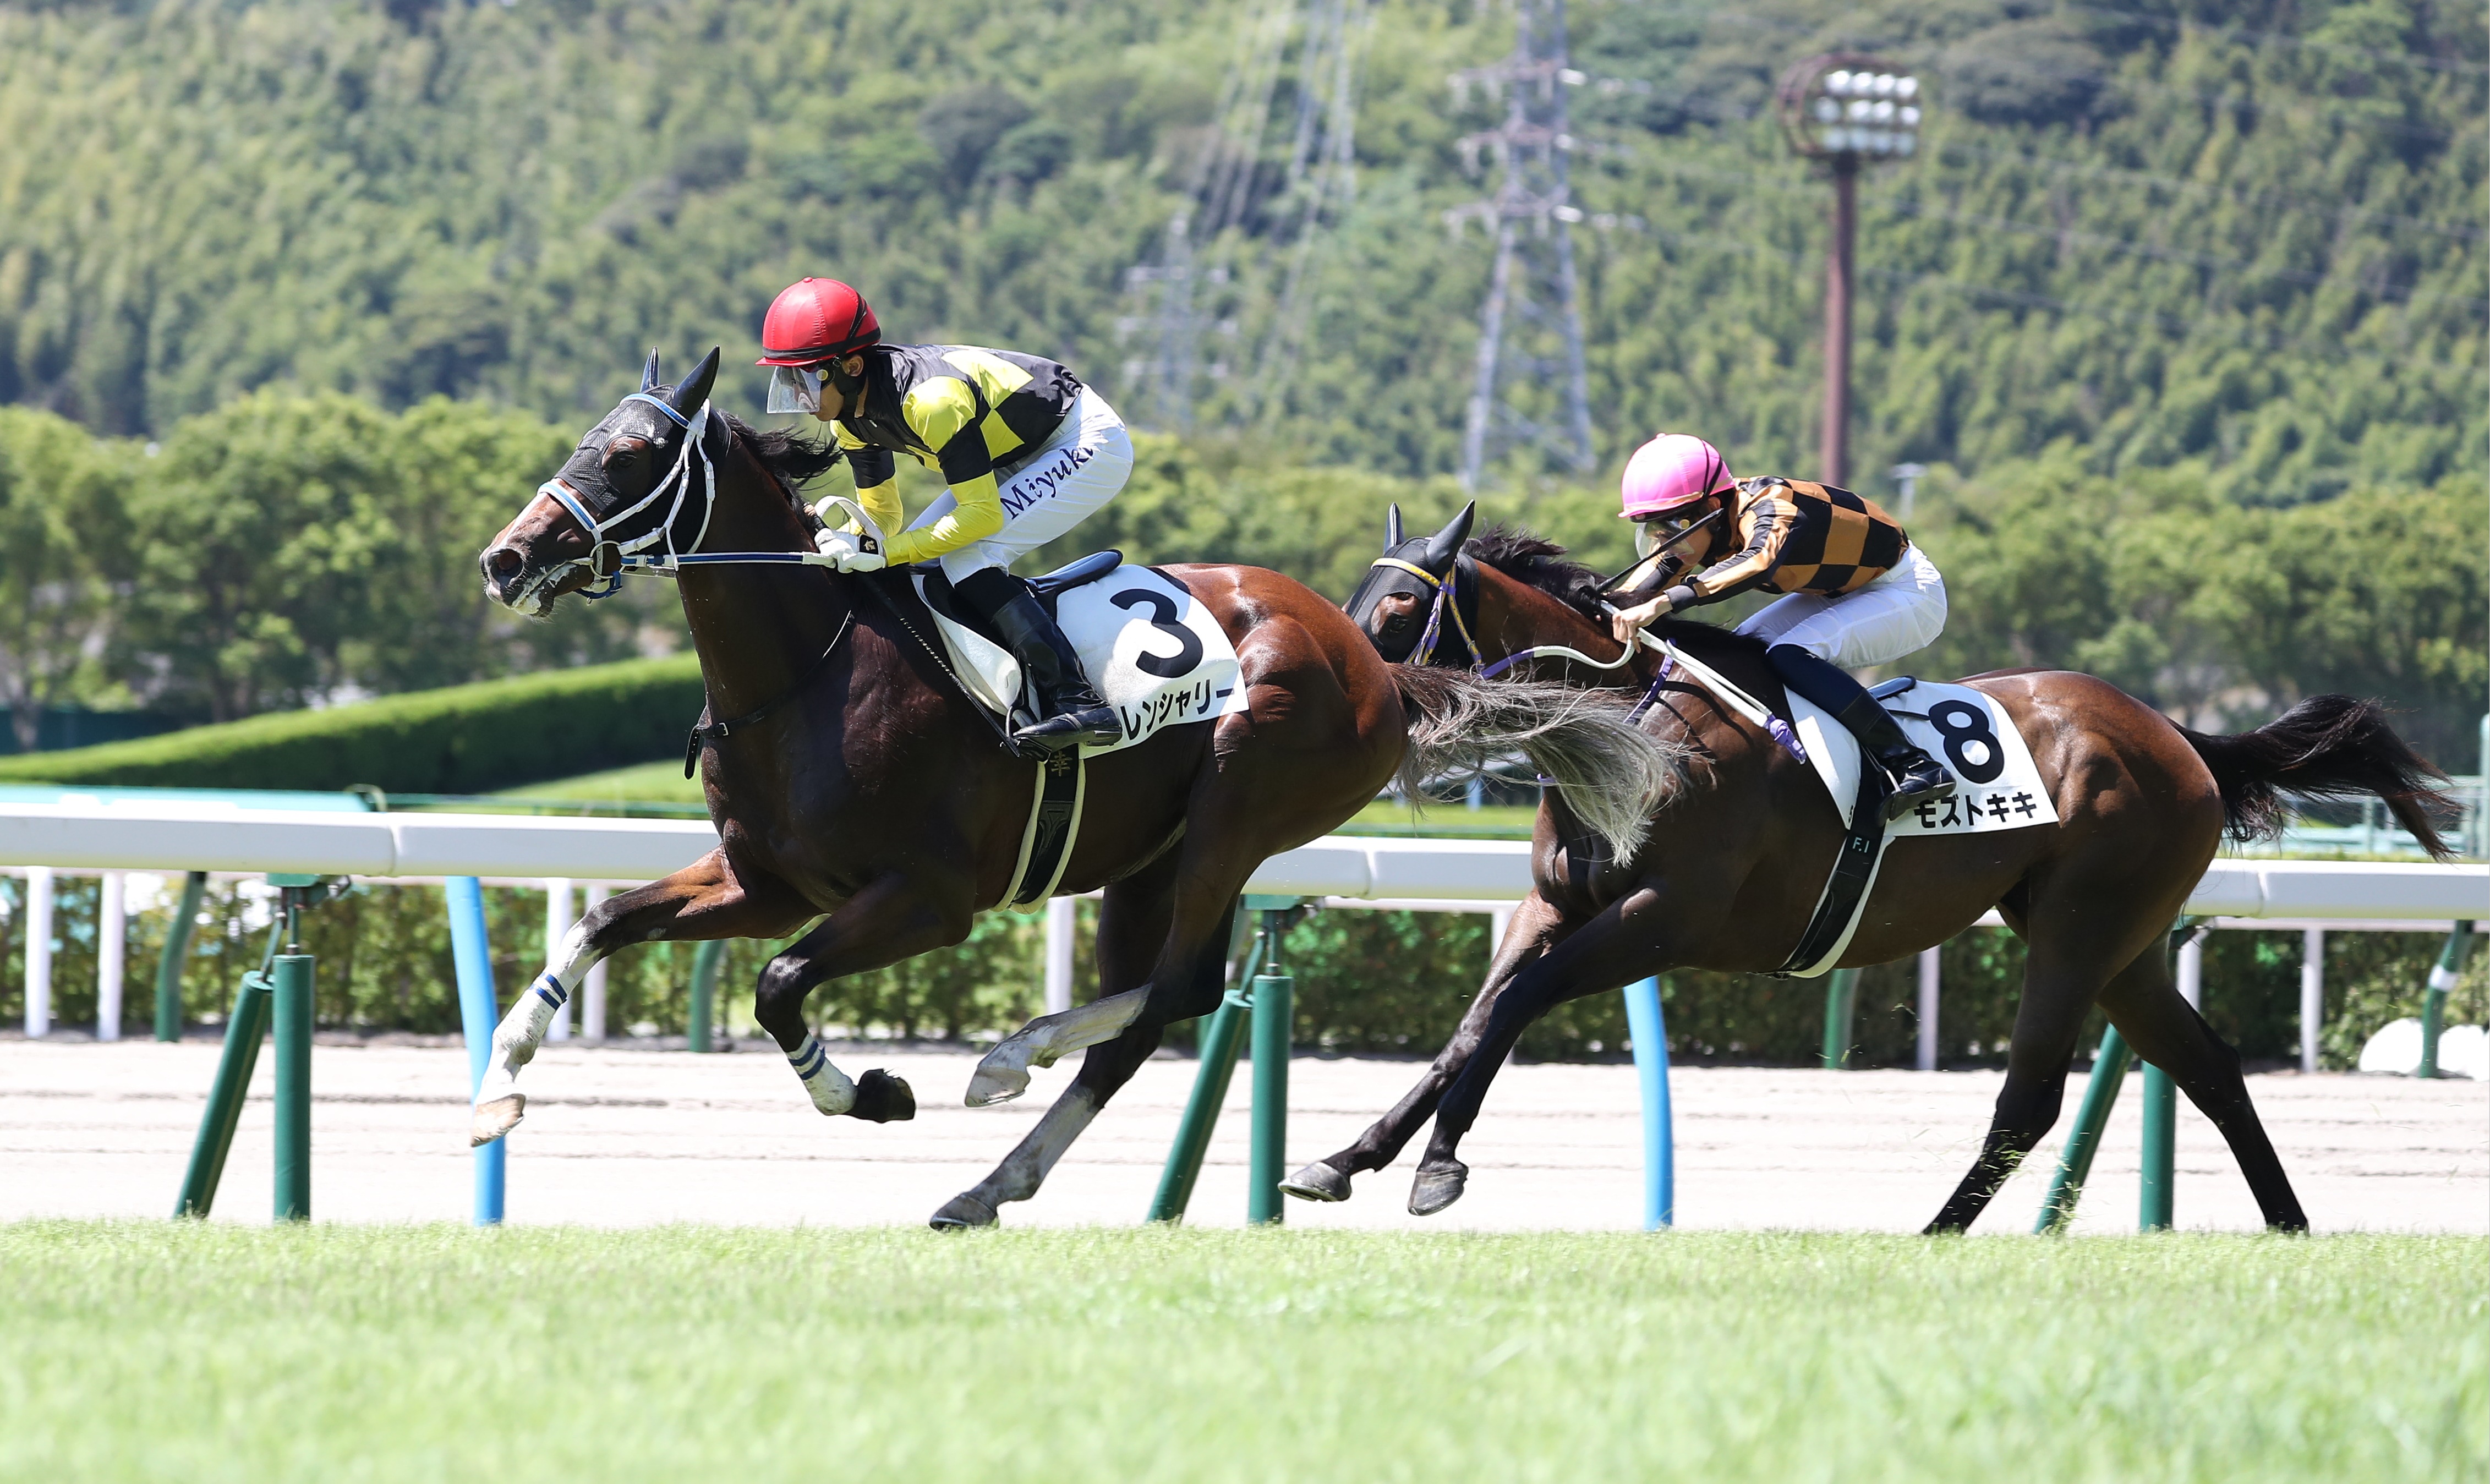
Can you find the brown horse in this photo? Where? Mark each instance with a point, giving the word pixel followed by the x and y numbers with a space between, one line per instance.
pixel 852 776
pixel 1737 853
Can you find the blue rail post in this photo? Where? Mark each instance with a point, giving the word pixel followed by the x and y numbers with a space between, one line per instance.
pixel 479 1013
pixel 1649 1031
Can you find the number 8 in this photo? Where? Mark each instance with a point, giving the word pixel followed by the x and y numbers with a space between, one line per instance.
pixel 1962 724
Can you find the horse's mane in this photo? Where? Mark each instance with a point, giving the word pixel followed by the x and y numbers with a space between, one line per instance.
pixel 1536 562
pixel 795 460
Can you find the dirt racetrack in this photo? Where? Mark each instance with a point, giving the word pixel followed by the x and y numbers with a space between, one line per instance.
pixel 621 1136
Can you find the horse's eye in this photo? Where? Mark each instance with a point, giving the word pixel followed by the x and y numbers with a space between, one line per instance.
pixel 1397 622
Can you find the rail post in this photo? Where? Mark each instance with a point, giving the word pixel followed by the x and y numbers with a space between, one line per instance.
pixel 1275 1014
pixel 479 1012
pixel 1649 1032
pixel 1221 1037
pixel 291 1002
pixel 2443 975
pixel 243 1028
pixel 112 952
pixel 699 1023
pixel 2083 1141
pixel 2157 1174
pixel 1841 1014
pixel 177 949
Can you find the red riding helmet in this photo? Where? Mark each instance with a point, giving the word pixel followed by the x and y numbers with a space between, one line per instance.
pixel 816 320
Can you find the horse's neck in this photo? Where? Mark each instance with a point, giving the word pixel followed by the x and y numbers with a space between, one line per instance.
pixel 1515 616
pixel 757 628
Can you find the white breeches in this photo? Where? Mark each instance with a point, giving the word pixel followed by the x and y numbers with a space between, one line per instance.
pixel 1071 478
pixel 1897 614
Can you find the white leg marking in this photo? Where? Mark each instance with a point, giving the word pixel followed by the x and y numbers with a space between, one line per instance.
pixel 499 1102
pixel 1026 1167
pixel 1003 1074
pixel 830 1090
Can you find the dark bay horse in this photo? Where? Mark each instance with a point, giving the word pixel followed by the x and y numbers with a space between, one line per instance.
pixel 1738 853
pixel 849 775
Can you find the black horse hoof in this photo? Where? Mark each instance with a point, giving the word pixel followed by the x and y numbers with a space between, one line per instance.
pixel 881 1098
pixel 1316 1181
pixel 1437 1187
pixel 963 1212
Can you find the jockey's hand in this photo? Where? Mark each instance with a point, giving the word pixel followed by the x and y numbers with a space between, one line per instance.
pixel 1626 623
pixel 846 549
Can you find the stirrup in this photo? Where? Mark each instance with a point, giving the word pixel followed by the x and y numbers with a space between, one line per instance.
pixel 1935 785
pixel 1088 726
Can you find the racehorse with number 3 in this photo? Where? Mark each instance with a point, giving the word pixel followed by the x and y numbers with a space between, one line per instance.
pixel 1737 855
pixel 852 781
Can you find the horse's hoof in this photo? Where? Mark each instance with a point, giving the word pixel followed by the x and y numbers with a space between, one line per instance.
pixel 495 1117
pixel 963 1212
pixel 1316 1181
pixel 881 1098
pixel 995 1083
pixel 1437 1187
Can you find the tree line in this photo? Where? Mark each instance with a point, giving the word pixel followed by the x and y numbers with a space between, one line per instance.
pixel 292 550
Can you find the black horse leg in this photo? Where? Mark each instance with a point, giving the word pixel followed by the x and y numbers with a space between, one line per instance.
pixel 1612 948
pixel 1132 924
pixel 1536 926
pixel 891 919
pixel 2166 1031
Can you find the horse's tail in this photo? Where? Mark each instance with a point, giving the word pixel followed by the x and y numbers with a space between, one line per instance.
pixel 1611 774
pixel 2326 747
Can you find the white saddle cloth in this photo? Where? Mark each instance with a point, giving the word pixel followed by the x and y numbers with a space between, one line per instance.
pixel 1156 656
pixel 1997 786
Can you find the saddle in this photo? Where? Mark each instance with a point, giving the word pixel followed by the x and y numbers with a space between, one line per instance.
pixel 936 588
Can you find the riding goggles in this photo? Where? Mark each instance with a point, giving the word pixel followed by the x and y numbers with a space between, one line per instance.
pixel 1657 531
pixel 796 389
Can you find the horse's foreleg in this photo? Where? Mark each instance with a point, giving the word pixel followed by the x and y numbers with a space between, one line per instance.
pixel 701 900
pixel 889 921
pixel 1536 927
pixel 1612 948
pixel 1132 924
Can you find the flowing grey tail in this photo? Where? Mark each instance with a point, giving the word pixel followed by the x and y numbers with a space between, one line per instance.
pixel 1611 774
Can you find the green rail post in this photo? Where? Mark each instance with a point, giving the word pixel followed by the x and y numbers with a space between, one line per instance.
pixel 290 988
pixel 1841 1014
pixel 704 1009
pixel 1275 1017
pixel 1221 1040
pixel 177 949
pixel 242 1031
pixel 2433 1001
pixel 2083 1141
pixel 2157 1194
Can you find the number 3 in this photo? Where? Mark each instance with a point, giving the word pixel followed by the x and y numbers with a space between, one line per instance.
pixel 1162 619
pixel 1963 725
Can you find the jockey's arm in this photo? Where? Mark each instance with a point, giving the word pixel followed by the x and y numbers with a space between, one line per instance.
pixel 944 412
pixel 877 485
pixel 1766 523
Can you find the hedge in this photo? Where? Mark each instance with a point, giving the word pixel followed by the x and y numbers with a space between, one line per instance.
pixel 1367 981
pixel 458 740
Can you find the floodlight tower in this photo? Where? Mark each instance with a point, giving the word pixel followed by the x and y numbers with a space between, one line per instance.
pixel 1848 111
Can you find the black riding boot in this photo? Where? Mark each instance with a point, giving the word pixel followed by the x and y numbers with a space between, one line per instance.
pixel 1070 712
pixel 1912 776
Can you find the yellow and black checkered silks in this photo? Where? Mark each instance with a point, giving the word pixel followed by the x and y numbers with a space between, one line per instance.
pixel 1798 536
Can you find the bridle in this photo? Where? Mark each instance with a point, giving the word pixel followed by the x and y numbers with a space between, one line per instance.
pixel 610 560
pixel 1448 597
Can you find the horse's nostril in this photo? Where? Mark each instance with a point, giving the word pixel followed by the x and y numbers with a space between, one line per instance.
pixel 503 562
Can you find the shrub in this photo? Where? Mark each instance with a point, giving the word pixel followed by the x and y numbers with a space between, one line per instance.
pixel 458 740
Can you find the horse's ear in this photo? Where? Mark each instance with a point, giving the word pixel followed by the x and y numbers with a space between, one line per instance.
pixel 687 397
pixel 1447 542
pixel 1392 536
pixel 649 376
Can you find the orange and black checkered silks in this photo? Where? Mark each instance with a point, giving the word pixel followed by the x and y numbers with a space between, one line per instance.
pixel 1798 536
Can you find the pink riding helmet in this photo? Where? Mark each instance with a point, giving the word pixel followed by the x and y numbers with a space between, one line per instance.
pixel 1673 469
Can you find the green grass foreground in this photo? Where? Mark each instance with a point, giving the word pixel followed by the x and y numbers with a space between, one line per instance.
pixel 211 1353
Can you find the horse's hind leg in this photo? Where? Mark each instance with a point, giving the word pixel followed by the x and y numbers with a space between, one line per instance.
pixel 700 901
pixel 2166 1031
pixel 2080 936
pixel 1132 924
pixel 1536 926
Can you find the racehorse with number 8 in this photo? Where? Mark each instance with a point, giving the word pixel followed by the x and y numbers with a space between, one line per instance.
pixel 1738 851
